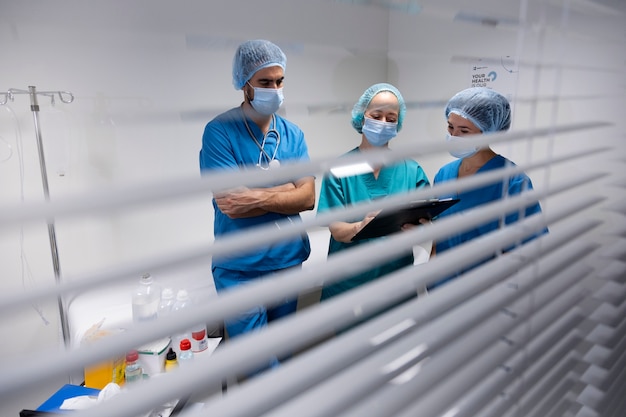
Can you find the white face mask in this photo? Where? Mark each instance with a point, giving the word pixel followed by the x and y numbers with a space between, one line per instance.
pixel 267 101
pixel 377 132
pixel 460 153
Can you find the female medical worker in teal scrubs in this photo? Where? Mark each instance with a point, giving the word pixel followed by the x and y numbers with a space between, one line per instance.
pixel 473 111
pixel 377 116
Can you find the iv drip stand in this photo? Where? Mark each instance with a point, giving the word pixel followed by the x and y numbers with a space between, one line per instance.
pixel 65 97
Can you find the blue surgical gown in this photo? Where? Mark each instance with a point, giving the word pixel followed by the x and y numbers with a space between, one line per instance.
pixel 470 199
pixel 227 145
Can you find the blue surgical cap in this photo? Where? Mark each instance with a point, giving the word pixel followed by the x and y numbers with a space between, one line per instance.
pixel 252 56
pixel 489 110
pixel 358 111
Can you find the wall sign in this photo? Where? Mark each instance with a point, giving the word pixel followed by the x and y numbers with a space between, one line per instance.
pixel 499 74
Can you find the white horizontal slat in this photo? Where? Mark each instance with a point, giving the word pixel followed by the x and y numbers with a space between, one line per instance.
pixel 594 375
pixel 614 378
pixel 613 401
pixel 607 402
pixel 608 314
pixel 558 400
pixel 548 391
pixel 613 270
pixel 600 335
pixel 616 354
pixel 591 397
pixel 586 412
pixel 611 292
pixel 566 407
pixel 617 229
pixel 617 206
pixel 597 355
pixel 616 251
pixel 126 197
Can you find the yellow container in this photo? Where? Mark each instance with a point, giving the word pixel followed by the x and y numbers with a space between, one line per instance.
pixel 99 375
pixel 111 370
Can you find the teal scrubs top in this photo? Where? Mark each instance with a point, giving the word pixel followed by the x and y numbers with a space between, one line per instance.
pixel 336 192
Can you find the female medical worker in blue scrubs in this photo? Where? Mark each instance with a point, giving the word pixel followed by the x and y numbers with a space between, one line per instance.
pixel 473 111
pixel 377 116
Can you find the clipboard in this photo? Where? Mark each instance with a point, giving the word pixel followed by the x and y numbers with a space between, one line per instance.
pixel 391 221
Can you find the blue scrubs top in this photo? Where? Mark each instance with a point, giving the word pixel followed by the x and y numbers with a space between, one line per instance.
pixel 341 192
pixel 227 145
pixel 472 198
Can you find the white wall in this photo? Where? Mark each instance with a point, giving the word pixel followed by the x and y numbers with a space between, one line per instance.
pixel 147 76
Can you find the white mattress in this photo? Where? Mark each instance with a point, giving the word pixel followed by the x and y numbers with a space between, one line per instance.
pixel 112 305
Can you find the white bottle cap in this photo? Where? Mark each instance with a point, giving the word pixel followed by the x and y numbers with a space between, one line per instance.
pixel 182 295
pixel 167 294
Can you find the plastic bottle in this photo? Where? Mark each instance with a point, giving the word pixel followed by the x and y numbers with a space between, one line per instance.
pixel 145 299
pixel 133 371
pixel 186 355
pixel 182 300
pixel 197 333
pixel 166 303
pixel 199 340
pixel 170 360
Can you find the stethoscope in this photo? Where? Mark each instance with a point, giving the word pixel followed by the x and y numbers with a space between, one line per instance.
pixel 265 160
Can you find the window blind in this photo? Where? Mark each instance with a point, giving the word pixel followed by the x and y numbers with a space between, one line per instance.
pixel 537 331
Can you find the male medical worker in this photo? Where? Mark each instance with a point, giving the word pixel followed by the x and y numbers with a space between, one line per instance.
pixel 252 136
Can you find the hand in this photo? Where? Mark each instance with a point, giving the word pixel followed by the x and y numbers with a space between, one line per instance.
pixel 425 221
pixel 409 226
pixel 368 218
pixel 235 201
pixel 358 226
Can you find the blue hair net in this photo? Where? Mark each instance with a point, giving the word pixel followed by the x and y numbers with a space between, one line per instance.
pixel 489 110
pixel 358 111
pixel 254 55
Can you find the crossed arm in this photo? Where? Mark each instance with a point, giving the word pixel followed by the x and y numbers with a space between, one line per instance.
pixel 290 198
